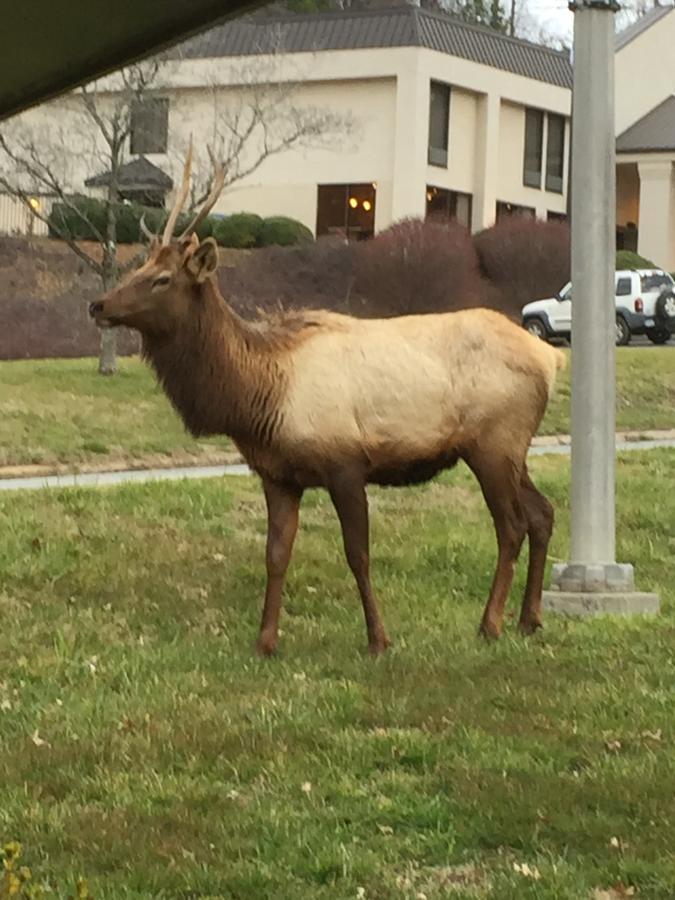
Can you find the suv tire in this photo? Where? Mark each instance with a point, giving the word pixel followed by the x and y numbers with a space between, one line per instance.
pixel 665 307
pixel 536 327
pixel 658 335
pixel 623 334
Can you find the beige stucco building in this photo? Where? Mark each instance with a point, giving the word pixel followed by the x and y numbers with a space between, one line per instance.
pixel 645 125
pixel 443 118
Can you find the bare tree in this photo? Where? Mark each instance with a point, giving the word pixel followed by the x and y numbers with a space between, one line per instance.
pixel 37 164
pixel 255 116
pixel 632 10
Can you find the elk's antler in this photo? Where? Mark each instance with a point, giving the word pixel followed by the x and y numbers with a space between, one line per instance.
pixel 212 197
pixel 180 198
pixel 145 231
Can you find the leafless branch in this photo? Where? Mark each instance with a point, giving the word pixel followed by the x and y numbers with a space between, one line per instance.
pixel 25 198
pixel 27 161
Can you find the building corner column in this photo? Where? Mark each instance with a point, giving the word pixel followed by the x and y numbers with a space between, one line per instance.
pixel 410 141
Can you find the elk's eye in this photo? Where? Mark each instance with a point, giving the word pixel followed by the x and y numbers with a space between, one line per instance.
pixel 162 281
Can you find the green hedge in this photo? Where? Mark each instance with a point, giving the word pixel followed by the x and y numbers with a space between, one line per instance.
pixel 284 232
pixel 241 230
pixel 245 230
pixel 84 219
pixel 628 259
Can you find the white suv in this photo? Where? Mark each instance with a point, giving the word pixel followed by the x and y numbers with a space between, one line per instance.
pixel 644 300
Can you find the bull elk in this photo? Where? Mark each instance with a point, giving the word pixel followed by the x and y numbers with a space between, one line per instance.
pixel 316 399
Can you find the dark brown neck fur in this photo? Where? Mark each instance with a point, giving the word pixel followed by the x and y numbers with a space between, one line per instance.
pixel 219 372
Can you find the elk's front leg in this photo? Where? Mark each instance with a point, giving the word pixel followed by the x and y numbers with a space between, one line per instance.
pixel 348 493
pixel 283 504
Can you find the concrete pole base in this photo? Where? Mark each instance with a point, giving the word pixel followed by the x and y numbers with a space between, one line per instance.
pixel 587 591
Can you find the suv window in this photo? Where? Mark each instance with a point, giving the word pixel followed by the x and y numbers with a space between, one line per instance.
pixel 655 282
pixel 623 287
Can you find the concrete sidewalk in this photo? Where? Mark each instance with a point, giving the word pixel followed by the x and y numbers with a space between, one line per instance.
pixel 558 445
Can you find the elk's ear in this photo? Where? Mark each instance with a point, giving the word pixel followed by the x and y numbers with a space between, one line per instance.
pixel 204 261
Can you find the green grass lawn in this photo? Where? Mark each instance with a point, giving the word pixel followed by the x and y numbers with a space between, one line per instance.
pixel 645 392
pixel 61 412
pixel 143 746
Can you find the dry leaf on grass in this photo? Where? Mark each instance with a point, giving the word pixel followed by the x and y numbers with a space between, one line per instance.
pixel 613 893
pixel 38 741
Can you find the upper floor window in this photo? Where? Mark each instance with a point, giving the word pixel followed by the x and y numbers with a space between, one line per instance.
pixel 555 153
pixel 439 123
pixel 149 125
pixel 534 142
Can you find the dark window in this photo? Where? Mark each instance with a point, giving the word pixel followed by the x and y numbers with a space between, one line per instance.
pixel 627 237
pixel 655 282
pixel 439 123
pixel 346 210
pixel 445 204
pixel 512 209
pixel 534 137
pixel 623 287
pixel 150 125
pixel 555 153
pixel 556 216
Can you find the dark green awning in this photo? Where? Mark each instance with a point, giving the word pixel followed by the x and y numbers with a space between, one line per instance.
pixel 47 47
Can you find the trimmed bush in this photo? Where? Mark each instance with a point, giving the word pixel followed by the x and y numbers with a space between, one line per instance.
pixel 205 228
pixel 628 259
pixel 319 275
pixel 524 260
pixel 240 230
pixel 78 220
pixel 85 218
pixel 283 232
pixel 418 266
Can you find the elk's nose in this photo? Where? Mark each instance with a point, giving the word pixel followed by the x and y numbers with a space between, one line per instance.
pixel 95 307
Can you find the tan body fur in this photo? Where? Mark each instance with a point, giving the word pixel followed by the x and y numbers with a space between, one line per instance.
pixel 398 394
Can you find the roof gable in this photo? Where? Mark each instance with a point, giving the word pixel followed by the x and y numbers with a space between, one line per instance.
pixel 403 26
pixel 138 174
pixel 653 132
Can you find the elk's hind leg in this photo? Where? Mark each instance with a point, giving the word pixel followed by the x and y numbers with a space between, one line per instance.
pixel 500 481
pixel 283 505
pixel 348 493
pixel 539 515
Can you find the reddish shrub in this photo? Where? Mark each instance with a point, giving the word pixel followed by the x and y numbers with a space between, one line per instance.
pixel 418 266
pixel 44 292
pixel 524 260
pixel 317 276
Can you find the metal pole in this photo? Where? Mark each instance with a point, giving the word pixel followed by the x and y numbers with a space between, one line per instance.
pixel 593 249
pixel 592 582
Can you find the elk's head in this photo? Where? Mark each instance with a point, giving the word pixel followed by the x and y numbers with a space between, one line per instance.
pixel 159 295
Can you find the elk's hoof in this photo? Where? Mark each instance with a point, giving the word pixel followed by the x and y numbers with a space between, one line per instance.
pixel 266 646
pixel 529 627
pixel 377 647
pixel 489 631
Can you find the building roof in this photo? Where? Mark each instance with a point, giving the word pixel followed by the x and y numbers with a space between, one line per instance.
pixel 47 48
pixel 653 132
pixel 403 26
pixel 643 23
pixel 137 175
